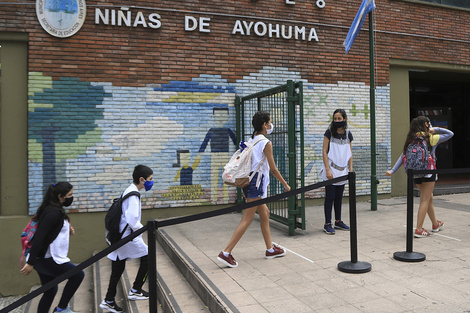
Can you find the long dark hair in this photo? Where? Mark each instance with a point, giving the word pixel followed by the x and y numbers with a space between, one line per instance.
pixel 258 121
pixel 418 128
pixel 333 128
pixel 52 198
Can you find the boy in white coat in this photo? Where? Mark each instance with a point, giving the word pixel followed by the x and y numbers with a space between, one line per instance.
pixel 131 215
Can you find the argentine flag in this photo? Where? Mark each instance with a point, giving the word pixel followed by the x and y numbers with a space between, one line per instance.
pixel 366 7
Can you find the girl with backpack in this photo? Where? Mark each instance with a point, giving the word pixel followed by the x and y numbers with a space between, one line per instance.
pixel 422 130
pixel 337 161
pixel 263 126
pixel 50 245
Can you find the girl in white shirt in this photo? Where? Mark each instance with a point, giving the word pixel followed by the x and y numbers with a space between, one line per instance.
pixel 263 151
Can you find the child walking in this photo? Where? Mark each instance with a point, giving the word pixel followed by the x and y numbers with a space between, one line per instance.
pixel 337 160
pixel 421 128
pixel 131 215
pixel 50 246
pixel 263 126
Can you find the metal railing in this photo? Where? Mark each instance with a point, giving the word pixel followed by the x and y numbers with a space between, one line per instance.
pixel 352 266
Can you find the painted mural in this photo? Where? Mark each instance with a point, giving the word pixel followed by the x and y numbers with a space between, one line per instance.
pixel 93 134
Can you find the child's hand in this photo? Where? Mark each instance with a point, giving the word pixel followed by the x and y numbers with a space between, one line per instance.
pixel 388 173
pixel 72 230
pixel 242 145
pixel 329 175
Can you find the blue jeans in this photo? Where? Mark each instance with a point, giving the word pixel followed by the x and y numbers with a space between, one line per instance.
pixel 333 195
pixel 48 270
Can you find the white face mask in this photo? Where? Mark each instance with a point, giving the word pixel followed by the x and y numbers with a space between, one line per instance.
pixel 270 130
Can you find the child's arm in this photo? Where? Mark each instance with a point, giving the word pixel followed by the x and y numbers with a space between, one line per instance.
pixel 396 166
pixel 326 145
pixel 350 162
pixel 132 212
pixel 268 151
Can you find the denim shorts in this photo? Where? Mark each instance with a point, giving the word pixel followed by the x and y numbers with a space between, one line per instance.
pixel 250 191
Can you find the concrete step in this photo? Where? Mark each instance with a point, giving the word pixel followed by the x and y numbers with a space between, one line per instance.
pixel 101 274
pixel 183 254
pixel 82 301
pixel 174 291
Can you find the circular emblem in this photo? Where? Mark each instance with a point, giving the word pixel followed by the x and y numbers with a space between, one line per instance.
pixel 61 18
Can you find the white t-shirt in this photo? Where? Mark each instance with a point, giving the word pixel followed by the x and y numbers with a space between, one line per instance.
pixel 59 248
pixel 257 156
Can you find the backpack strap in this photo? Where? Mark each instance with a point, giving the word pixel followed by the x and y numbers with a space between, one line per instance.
pixel 130 194
pixel 258 180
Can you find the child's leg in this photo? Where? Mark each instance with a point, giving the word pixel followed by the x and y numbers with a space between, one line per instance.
pixel 425 201
pixel 263 212
pixel 247 218
pixel 339 190
pixel 117 268
pixel 142 273
pixel 72 284
pixel 328 204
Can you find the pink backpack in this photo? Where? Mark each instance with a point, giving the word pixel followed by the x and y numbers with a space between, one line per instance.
pixel 26 237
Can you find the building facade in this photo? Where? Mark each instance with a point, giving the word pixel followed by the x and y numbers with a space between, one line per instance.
pixel 90 89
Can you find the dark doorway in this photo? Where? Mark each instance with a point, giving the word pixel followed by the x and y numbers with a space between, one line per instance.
pixel 445 98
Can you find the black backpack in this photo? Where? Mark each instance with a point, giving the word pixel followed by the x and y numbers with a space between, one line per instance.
pixel 113 218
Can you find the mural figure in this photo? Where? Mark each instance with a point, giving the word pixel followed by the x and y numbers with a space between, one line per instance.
pixel 185 173
pixel 220 153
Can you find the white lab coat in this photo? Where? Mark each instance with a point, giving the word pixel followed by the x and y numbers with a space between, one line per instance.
pixel 131 215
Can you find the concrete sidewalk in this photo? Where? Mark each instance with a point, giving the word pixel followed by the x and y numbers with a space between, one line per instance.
pixel 307 278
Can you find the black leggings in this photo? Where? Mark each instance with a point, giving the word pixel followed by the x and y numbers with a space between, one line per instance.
pixel 333 195
pixel 48 270
pixel 118 267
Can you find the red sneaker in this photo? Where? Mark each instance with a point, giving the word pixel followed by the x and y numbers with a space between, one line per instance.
pixel 278 251
pixel 229 261
pixel 421 234
pixel 436 228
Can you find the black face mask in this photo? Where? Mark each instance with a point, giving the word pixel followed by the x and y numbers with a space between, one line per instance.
pixel 339 124
pixel 68 201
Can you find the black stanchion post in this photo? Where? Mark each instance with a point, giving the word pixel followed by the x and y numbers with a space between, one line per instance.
pixel 409 255
pixel 152 275
pixel 353 266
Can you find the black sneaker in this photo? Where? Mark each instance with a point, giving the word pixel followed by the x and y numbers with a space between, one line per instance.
pixel 111 307
pixel 138 295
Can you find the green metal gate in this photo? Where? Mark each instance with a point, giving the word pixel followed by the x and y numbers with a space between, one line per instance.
pixel 285 105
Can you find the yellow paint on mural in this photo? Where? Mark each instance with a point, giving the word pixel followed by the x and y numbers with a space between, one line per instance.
pixel 192 97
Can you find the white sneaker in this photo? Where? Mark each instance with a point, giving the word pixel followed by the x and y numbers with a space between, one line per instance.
pixel 111 307
pixel 138 295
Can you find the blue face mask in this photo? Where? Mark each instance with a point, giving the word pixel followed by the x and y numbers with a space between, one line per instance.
pixel 148 185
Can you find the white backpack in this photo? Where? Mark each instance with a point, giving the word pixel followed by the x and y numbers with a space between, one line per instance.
pixel 237 170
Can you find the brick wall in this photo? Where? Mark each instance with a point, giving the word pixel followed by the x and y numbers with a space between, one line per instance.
pixel 111 97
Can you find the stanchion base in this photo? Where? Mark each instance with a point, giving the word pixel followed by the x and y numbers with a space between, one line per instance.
pixel 409 256
pixel 354 268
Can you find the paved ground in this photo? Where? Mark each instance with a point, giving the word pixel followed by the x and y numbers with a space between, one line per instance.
pixel 307 278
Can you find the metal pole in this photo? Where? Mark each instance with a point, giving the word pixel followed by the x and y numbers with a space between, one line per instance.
pixel 353 266
pixel 152 275
pixel 409 255
pixel 373 152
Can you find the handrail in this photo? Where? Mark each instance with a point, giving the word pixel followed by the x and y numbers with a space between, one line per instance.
pixel 74 271
pixel 153 225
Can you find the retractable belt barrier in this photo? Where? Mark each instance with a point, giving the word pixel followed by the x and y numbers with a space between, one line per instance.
pixel 164 223
pixel 409 255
